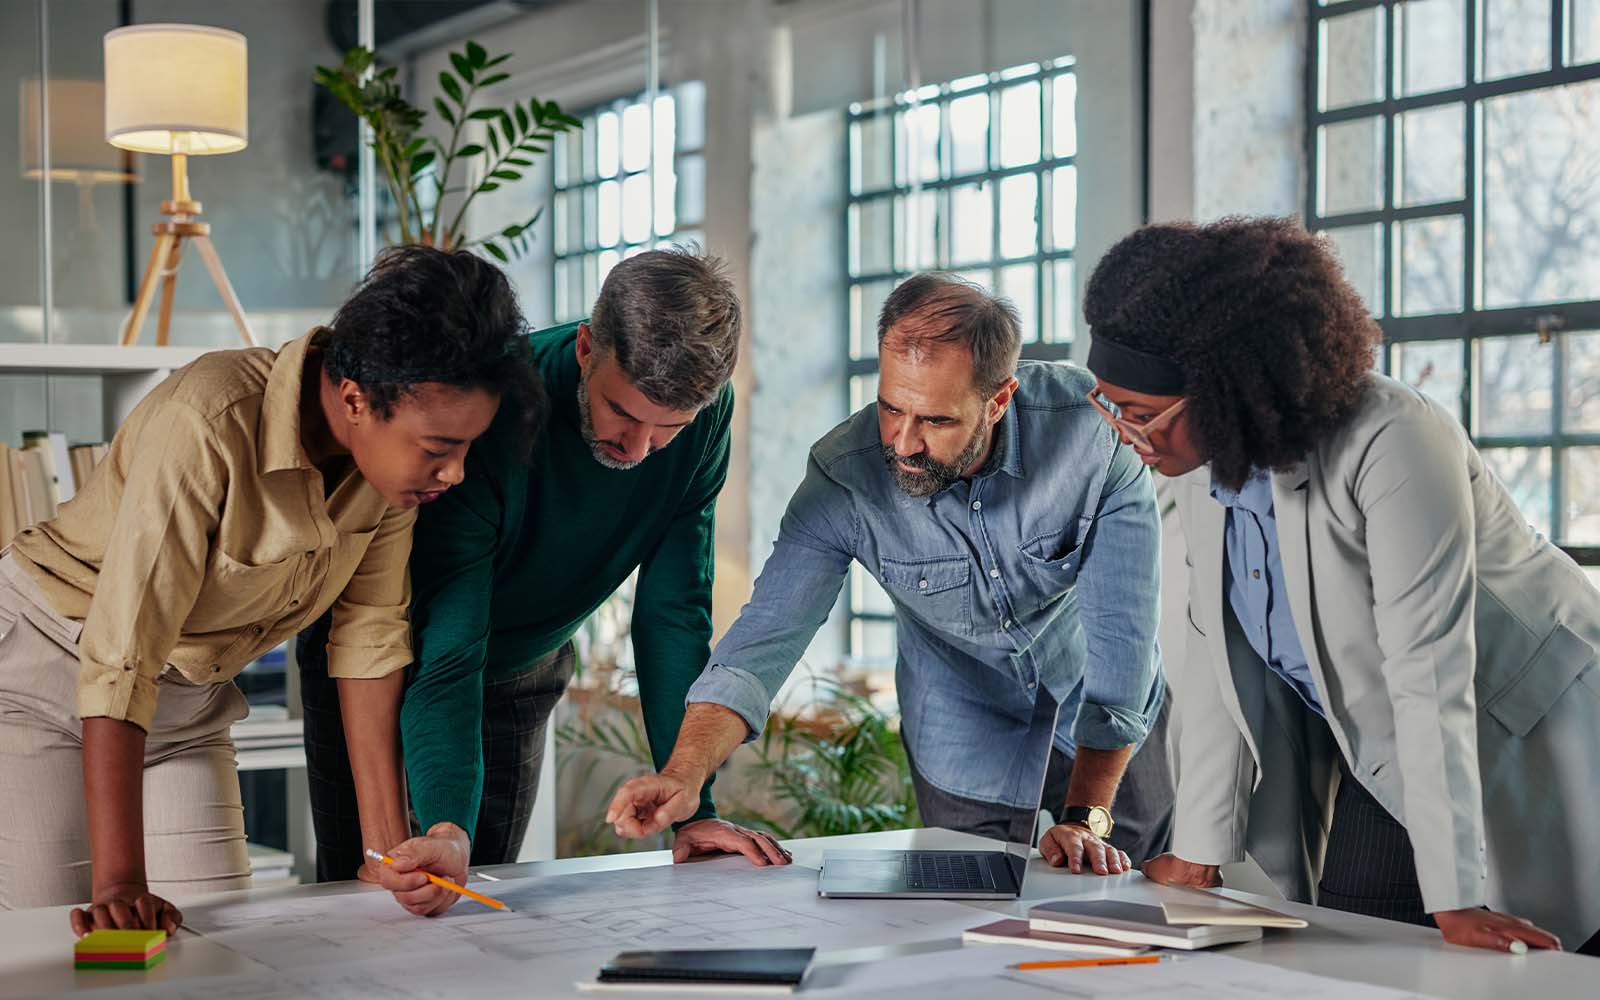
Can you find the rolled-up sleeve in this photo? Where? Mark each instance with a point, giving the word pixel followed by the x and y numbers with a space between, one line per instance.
pixel 371 631
pixel 1119 598
pixel 155 561
pixel 793 595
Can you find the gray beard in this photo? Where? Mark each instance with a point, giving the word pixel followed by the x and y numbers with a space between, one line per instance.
pixel 936 475
pixel 586 428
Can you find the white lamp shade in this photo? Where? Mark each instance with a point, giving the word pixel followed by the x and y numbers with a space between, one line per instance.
pixel 78 147
pixel 176 88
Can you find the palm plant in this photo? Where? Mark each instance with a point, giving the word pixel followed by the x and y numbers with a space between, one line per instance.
pixel 418 168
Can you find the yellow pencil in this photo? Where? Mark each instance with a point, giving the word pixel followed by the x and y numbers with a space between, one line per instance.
pixel 1084 963
pixel 445 883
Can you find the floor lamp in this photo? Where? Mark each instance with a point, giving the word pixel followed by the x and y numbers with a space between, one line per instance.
pixel 177 89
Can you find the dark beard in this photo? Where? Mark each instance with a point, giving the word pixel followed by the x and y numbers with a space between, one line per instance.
pixel 936 475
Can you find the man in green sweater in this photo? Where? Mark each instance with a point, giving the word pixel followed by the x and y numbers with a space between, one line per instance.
pixel 508 565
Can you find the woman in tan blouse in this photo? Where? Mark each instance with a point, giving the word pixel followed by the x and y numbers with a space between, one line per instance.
pixel 247 494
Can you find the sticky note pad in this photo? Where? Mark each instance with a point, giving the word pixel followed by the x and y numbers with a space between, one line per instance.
pixel 120 950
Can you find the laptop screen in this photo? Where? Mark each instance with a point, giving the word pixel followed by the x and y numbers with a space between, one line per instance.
pixel 1027 782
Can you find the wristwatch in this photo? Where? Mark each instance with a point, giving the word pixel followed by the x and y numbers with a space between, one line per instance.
pixel 1096 818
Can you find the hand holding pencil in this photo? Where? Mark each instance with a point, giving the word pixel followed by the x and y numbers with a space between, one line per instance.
pixel 443 883
pixel 443 851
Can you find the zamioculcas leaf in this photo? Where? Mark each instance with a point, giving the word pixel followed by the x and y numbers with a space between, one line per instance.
pixel 490 81
pixel 463 68
pixel 484 115
pixel 518 162
pixel 498 253
pixel 444 110
pixel 421 161
pixel 497 60
pixel 450 86
pixel 476 53
pixel 507 175
pixel 488 186
pixel 471 149
pixel 522 119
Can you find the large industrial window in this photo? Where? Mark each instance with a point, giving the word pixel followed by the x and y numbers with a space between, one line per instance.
pixel 1454 152
pixel 606 206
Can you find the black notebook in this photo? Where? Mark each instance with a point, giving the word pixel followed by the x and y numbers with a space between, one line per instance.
pixel 765 968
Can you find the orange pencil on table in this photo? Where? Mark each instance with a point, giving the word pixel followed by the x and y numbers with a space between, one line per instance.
pixel 1084 963
pixel 445 883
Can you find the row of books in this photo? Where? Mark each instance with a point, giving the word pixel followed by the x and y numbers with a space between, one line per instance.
pixel 39 477
pixel 1110 927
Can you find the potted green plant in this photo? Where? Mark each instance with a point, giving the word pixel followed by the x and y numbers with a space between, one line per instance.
pixel 420 167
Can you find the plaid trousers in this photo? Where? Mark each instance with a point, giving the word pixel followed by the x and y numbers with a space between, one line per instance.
pixel 516 711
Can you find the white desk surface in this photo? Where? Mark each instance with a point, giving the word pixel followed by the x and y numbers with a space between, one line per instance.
pixel 36 956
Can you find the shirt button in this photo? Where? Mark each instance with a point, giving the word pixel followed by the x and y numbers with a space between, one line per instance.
pixel 994 574
pixel 295 603
pixel 922 585
pixel 977 505
pixel 1255 573
pixel 216 668
pixel 311 552
pixel 258 630
pixel 1032 685
pixel 1006 624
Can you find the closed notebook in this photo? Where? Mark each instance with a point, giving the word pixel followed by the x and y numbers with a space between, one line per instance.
pixel 1134 923
pixel 1201 907
pixel 1018 932
pixel 763 969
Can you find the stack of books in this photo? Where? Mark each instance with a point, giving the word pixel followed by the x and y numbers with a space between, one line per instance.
pixel 1112 927
pixel 39 477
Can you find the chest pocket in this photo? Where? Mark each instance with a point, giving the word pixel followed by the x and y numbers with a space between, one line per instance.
pixel 938 591
pixel 235 593
pixel 1049 569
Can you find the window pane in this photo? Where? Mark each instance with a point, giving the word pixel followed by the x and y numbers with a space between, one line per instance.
pixel 1352 59
pixel 1019 125
pixel 917 152
pixel 586 214
pixel 969 134
pixel 604 262
pixel 1514 384
pixel 1432 367
pixel 1360 251
pixel 635 138
pixel 560 157
pixel 863 390
pixel 871 153
pixel 1526 475
pixel 1019 216
pixel 1582 469
pixel 1541 228
pixel 1432 39
pixel 872 642
pixel 558 217
pixel 666 198
pixel 866 301
pixel 636 209
pixel 575 297
pixel 691 190
pixel 866 594
pixel 610 214
pixel 1350 166
pixel 1064 208
pixel 564 309
pixel 591 281
pixel 590 165
pixel 1429 261
pixel 608 138
pixel 665 138
pixel 1583 382
pixel 917 249
pixel 971 224
pixel 1583 31
pixel 871 226
pixel 691 113
pixel 1020 284
pixel 1063 297
pixel 1429 157
pixel 1064 115
pixel 1516 37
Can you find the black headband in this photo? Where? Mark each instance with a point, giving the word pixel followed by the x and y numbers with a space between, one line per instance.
pixel 1134 370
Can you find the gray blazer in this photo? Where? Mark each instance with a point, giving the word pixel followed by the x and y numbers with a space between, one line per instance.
pixel 1454 649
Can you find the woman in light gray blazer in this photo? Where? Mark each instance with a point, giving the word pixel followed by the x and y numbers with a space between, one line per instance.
pixel 1390 696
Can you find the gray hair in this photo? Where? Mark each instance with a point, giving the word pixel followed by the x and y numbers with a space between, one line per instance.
pixel 938 308
pixel 671 319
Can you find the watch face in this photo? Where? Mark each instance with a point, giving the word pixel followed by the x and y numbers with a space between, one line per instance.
pixel 1099 821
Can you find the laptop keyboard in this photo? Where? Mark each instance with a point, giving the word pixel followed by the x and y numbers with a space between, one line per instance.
pixel 926 870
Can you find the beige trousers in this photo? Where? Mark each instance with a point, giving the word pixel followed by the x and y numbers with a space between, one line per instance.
pixel 193 818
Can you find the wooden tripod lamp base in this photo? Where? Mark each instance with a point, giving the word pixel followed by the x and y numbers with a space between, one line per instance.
pixel 162 269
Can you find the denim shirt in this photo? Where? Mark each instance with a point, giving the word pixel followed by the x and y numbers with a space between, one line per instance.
pixel 1043 569
pixel 1252 577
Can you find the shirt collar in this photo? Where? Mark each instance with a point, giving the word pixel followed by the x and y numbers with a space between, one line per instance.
pixel 1008 444
pixel 1254 496
pixel 278 434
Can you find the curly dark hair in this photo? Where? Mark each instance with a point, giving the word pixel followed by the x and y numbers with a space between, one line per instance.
pixel 1275 346
pixel 429 316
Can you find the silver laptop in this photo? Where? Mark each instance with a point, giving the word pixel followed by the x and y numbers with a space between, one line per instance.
pixel 955 874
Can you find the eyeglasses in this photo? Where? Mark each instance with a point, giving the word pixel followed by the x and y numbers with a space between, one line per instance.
pixel 1138 434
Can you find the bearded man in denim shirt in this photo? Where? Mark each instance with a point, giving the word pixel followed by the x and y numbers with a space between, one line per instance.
pixel 1020 543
